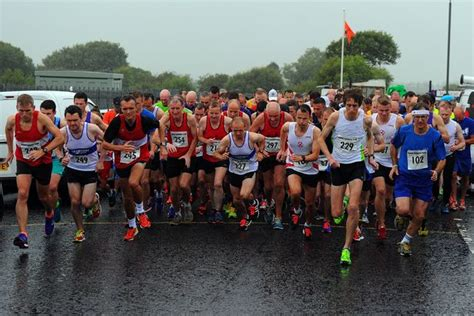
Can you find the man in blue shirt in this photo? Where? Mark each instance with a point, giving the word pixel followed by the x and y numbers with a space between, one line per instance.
pixel 420 145
pixel 463 163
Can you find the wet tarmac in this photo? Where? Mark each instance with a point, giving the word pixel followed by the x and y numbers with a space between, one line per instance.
pixel 206 269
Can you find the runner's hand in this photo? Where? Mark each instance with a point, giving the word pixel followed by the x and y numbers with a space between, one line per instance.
pixel 36 154
pixel 65 160
pixel 393 173
pixel 209 141
pixel 9 157
pixel 373 163
pixel 434 175
pixel 127 147
pixel 100 165
pixel 187 161
pixel 266 154
pixel 260 156
pixel 281 156
pixel 333 163
pixel 170 148
pixel 163 153
pixel 296 158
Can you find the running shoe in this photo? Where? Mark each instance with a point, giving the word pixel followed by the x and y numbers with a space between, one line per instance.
pixel 79 236
pixel 57 212
pixel 339 219
pixel 130 234
pixel 365 217
pixel 48 224
pixel 453 205
pixel 87 214
pixel 245 223
pixel 345 202
pixel 445 210
pixel 218 218
pixel 188 213
pixel 263 205
pixel 97 208
pixel 253 209
pixel 112 198
pixel 230 210
pixel 177 219
pixel 462 205
pixel 169 201
pixel 21 241
pixel 143 220
pixel 346 257
pixel 211 217
pixel 277 224
pixel 423 231
pixel 381 233
pixel 171 212
pixel 295 217
pixel 268 216
pixel 400 222
pixel 327 227
pixel 307 233
pixel 358 235
pixel 404 249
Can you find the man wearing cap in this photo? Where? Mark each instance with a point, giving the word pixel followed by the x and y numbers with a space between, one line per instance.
pixel 269 124
pixel 413 150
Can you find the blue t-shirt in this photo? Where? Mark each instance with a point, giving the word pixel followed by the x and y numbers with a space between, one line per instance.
pixel 150 115
pixel 417 153
pixel 467 126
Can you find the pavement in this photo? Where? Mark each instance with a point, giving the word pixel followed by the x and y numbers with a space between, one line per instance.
pixel 205 269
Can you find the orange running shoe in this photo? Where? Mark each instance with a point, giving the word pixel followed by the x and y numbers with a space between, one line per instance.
pixel 143 220
pixel 130 234
pixel 462 205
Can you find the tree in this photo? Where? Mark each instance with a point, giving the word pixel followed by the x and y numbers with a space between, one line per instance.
pixel 260 77
pixel 305 68
pixel 378 48
pixel 16 77
pixel 12 59
pixel 172 81
pixel 208 80
pixel 136 78
pixel 356 69
pixel 92 56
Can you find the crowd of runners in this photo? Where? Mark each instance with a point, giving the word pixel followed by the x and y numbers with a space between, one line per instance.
pixel 276 155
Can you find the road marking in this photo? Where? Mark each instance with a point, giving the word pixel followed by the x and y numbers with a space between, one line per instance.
pixel 465 236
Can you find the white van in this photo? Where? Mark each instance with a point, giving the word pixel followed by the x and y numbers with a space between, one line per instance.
pixel 8 107
pixel 467 95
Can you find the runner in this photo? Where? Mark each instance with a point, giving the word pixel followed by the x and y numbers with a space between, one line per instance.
pixel 179 153
pixel 269 124
pixel 351 133
pixel 456 143
pixel 301 151
pixel 127 137
pixel 239 147
pixel 82 161
pixel 419 145
pixel 463 165
pixel 48 108
pixel 29 129
pixel 212 129
pixel 233 111
pixel 388 123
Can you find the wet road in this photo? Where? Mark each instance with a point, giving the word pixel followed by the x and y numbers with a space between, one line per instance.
pixel 201 269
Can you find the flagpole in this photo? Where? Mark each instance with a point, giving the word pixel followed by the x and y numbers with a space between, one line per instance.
pixel 342 47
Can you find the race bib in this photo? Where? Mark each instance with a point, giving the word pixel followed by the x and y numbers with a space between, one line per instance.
pixel 272 144
pixel 128 157
pixel 347 144
pixel 179 139
pixel 199 151
pixel 241 165
pixel 80 159
pixel 322 163
pixel 212 148
pixel 417 159
pixel 27 148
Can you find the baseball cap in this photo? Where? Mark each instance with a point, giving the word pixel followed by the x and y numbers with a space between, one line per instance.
pixel 447 97
pixel 273 95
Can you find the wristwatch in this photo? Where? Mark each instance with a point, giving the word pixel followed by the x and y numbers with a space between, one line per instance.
pixel 45 150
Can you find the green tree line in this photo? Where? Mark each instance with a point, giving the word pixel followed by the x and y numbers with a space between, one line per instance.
pixel 364 59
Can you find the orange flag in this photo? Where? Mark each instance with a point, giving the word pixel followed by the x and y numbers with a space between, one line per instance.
pixel 349 33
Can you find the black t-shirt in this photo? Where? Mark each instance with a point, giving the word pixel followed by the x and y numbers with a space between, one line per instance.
pixel 148 126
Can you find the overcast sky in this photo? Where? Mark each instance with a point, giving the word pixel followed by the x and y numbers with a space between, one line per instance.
pixel 199 37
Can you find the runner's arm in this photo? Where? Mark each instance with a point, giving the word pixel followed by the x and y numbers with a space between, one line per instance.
pixel 9 134
pixel 460 142
pixel 257 124
pixel 193 128
pixel 441 127
pixel 58 139
pixel 315 147
pixel 221 152
pixel 331 123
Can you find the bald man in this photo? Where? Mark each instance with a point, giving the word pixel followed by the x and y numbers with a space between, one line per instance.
pixel 164 100
pixel 191 100
pixel 233 111
pixel 269 124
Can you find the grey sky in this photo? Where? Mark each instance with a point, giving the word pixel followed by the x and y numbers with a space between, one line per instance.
pixel 199 37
